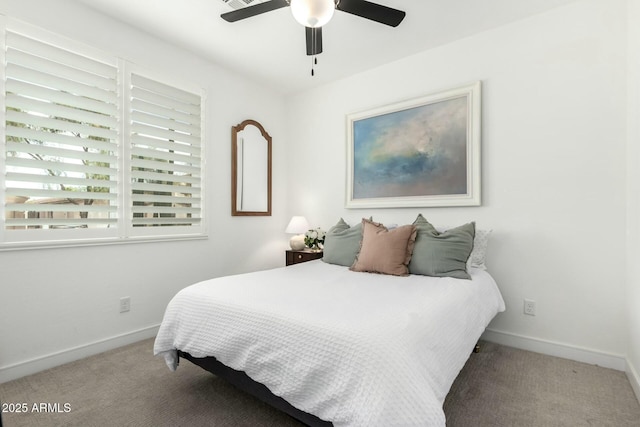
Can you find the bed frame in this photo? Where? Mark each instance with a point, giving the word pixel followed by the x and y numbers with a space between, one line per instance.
pixel 242 381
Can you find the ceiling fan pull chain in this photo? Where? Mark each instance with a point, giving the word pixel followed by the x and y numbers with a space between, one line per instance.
pixel 314 61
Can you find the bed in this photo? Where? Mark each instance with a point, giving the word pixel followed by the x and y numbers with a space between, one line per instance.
pixel 330 345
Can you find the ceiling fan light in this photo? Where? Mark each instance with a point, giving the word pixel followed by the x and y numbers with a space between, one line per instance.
pixel 312 13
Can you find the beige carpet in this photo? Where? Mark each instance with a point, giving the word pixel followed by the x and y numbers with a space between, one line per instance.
pixel 500 386
pixel 506 387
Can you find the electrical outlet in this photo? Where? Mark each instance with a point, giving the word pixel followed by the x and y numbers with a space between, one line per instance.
pixel 125 304
pixel 529 307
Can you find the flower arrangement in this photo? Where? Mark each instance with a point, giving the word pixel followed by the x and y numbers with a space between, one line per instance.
pixel 314 239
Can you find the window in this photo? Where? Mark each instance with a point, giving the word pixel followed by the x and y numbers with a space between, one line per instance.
pixel 61 138
pixel 165 155
pixel 94 151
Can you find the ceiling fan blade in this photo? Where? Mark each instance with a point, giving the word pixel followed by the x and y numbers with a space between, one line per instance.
pixel 373 11
pixel 314 40
pixel 248 12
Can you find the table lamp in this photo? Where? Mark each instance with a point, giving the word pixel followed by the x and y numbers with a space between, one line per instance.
pixel 298 226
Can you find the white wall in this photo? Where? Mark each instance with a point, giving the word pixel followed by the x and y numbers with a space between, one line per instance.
pixel 553 166
pixel 633 194
pixel 59 304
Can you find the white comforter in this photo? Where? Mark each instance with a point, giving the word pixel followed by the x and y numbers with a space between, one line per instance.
pixel 357 349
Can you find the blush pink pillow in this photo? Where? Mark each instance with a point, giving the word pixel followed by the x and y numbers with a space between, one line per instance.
pixel 384 251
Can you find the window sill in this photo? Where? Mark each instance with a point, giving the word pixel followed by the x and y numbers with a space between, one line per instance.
pixel 18 246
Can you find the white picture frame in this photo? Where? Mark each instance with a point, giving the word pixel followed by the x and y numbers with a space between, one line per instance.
pixel 423 152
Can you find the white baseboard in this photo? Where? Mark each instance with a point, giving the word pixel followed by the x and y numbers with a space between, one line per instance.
pixel 634 379
pixel 19 370
pixel 28 367
pixel 585 355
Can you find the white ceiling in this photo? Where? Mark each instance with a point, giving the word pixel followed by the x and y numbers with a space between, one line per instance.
pixel 270 48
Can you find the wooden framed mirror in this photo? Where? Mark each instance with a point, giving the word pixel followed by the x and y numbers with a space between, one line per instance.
pixel 250 170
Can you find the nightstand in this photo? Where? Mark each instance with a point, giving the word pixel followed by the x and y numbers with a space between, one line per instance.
pixel 296 257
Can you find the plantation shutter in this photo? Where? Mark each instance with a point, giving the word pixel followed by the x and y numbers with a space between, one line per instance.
pixel 166 158
pixel 61 137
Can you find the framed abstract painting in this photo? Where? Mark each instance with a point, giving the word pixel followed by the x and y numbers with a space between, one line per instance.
pixel 417 153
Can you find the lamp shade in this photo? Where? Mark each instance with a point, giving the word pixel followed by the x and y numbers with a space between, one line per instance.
pixel 312 13
pixel 297 225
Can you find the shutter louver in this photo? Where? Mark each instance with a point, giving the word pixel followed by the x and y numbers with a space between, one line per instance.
pixel 61 148
pixel 165 155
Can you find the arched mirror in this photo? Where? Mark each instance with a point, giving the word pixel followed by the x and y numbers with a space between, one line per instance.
pixel 250 170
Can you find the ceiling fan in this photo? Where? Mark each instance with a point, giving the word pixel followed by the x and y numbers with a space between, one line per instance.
pixel 313 14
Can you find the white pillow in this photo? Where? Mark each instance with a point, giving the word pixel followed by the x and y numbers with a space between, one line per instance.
pixel 479 252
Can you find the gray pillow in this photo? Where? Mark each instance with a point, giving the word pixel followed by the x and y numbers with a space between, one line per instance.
pixel 342 244
pixel 441 254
